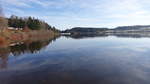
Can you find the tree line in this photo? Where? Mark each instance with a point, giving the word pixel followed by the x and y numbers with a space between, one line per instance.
pixel 29 22
pixel 23 22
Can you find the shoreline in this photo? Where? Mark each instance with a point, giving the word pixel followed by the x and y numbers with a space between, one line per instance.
pixel 9 37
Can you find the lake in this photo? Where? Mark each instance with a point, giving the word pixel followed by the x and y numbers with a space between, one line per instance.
pixel 78 60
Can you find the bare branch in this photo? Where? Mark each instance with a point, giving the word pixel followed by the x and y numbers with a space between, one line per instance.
pixel 3 20
pixel 1 11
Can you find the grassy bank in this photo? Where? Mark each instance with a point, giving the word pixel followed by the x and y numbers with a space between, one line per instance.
pixel 8 37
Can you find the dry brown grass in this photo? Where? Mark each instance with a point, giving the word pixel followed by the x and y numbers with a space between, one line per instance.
pixel 12 36
pixel 3 42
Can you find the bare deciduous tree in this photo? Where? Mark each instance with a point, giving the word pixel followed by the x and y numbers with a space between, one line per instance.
pixel 3 20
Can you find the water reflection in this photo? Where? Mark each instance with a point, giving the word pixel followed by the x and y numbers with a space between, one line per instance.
pixel 33 47
pixel 99 60
pixel 127 35
pixel 18 49
pixel 82 36
pixel 4 53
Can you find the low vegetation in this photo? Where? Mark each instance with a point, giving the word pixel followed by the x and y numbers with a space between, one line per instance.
pixel 20 29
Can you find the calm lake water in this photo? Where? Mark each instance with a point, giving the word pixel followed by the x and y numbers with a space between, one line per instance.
pixel 86 60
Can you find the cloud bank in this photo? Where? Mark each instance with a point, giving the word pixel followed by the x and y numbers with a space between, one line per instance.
pixel 92 13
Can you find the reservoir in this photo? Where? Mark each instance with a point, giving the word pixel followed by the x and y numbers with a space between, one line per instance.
pixel 77 60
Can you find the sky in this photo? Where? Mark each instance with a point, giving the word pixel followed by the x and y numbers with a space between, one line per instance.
pixel 65 14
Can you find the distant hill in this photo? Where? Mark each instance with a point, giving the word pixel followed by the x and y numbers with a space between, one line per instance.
pixel 85 30
pixel 133 27
pixel 91 30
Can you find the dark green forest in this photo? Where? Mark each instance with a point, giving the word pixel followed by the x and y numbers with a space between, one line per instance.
pixel 29 22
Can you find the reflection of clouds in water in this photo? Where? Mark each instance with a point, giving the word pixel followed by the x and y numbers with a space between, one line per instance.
pixel 140 74
pixel 31 64
pixel 115 66
pixel 136 48
pixel 114 62
pixel 133 65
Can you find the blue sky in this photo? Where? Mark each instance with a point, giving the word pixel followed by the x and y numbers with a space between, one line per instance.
pixel 65 14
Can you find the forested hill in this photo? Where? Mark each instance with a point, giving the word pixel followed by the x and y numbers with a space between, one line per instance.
pixel 29 22
pixel 84 29
pixel 133 27
pixel 98 30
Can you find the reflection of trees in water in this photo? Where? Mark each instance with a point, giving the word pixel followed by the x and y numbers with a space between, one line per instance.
pixel 4 53
pixel 133 35
pixel 28 48
pixel 127 35
pixel 19 49
pixel 32 47
pixel 82 36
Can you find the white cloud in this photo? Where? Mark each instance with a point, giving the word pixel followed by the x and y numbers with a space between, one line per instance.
pixel 21 3
pixel 85 12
